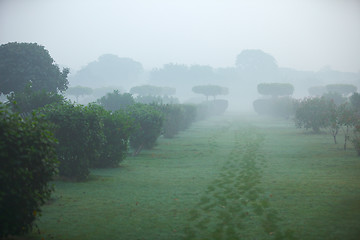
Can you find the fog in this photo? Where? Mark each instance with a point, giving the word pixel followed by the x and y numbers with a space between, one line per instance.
pixel 312 42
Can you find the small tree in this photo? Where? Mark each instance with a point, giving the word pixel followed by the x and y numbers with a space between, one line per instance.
pixel 79 91
pixel 210 90
pixel 313 113
pixel 275 89
pixel 347 120
pixel 28 163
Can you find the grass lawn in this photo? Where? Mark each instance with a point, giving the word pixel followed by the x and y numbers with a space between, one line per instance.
pixel 231 177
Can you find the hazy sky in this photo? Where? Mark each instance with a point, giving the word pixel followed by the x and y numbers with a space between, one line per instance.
pixel 301 34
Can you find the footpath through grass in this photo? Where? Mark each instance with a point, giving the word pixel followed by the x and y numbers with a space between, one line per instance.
pixel 232 177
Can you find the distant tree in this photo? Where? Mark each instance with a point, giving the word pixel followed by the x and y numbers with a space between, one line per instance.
pixel 22 64
pixel 115 101
pixel 210 90
pixel 275 89
pixel 79 91
pixel 108 70
pixel 255 60
pixel 146 90
pixel 343 89
pixel 317 91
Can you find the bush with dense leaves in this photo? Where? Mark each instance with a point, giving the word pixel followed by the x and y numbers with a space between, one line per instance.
pixel 28 163
pixel 117 128
pixel 79 130
pixel 149 122
pixel 115 101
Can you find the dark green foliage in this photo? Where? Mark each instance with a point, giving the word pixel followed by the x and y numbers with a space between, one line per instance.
pixel 149 121
pixel 343 89
pixel 117 128
pixel 25 63
pixel 275 89
pixel 28 163
pixel 115 101
pixel 79 130
pixel 313 113
pixel 29 100
pixel 284 107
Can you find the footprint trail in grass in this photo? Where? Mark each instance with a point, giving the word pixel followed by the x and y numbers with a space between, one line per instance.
pixel 234 206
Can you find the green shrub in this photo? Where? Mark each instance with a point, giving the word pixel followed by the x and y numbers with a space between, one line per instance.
pixel 115 101
pixel 149 124
pixel 79 130
pixel 117 128
pixel 28 163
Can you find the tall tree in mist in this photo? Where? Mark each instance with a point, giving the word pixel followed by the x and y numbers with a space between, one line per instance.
pixel 24 64
pixel 108 70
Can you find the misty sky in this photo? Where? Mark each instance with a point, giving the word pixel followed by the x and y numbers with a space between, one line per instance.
pixel 301 34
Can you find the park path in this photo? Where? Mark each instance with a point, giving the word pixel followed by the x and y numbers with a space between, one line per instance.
pixel 234 206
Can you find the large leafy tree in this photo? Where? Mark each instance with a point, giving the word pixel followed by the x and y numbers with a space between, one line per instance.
pixel 22 64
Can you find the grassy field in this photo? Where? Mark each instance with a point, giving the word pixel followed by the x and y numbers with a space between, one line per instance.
pixel 232 177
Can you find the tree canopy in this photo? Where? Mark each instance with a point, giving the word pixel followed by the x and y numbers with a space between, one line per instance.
pixel 108 70
pixel 210 90
pixel 22 64
pixel 275 89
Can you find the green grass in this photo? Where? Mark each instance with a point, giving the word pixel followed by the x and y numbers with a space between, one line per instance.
pixel 232 177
